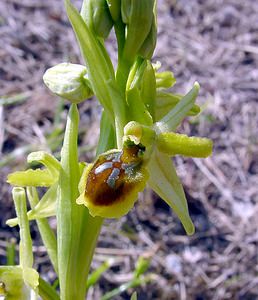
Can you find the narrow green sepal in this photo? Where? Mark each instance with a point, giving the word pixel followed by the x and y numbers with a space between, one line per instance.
pixel 172 119
pixel 165 182
pixel 165 102
pixel 173 143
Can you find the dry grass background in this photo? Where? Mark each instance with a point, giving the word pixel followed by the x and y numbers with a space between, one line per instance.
pixel 212 41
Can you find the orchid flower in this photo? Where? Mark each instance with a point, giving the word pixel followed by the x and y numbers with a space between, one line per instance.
pixel 138 138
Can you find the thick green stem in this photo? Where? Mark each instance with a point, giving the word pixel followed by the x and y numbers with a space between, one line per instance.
pixel 77 230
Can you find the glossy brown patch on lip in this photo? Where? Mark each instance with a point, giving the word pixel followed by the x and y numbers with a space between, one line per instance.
pixel 113 175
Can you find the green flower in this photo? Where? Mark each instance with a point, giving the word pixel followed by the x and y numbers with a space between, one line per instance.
pixel 109 187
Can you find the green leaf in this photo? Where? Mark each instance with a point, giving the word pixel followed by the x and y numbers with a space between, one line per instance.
pixel 96 274
pixel 77 231
pixel 46 291
pixel 141 266
pixel 165 182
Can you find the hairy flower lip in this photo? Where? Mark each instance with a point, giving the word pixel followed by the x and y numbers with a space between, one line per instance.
pixel 109 187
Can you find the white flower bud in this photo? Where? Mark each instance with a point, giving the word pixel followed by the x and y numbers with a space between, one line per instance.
pixel 68 81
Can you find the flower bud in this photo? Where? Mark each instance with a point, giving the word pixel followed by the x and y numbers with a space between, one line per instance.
pixel 68 81
pixel 109 187
pixel 149 44
pixel 138 16
pixel 148 89
pixel 114 8
pixel 165 79
pixel 97 16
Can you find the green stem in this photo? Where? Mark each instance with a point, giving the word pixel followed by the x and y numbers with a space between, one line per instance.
pixel 46 291
pixel 69 215
pixel 47 234
pixel 26 255
pixel 77 230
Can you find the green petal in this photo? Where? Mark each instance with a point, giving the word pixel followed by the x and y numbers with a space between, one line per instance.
pixel 164 181
pixel 173 143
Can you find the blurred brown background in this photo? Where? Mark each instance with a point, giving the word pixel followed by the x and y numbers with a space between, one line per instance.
pixel 212 41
